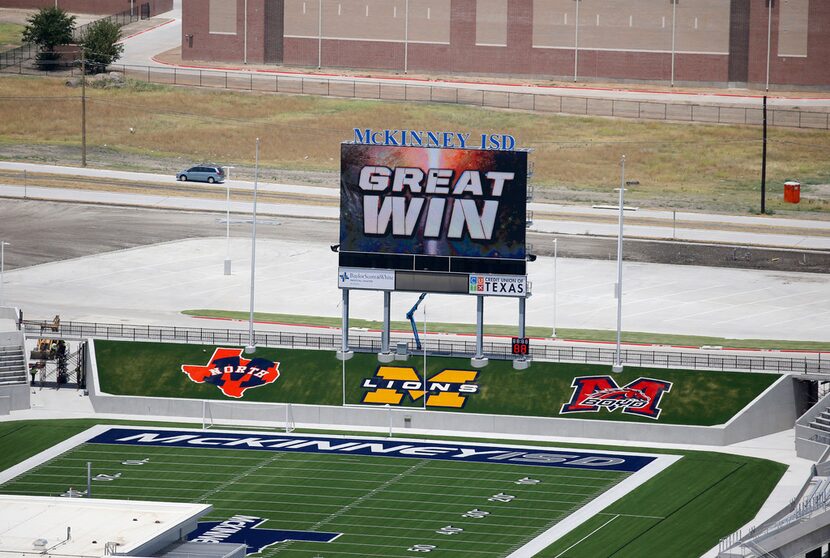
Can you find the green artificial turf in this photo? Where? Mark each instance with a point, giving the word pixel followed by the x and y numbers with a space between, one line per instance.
pixel 315 377
pixel 385 505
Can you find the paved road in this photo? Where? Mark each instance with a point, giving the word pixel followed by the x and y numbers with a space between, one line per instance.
pixel 549 218
pixel 140 50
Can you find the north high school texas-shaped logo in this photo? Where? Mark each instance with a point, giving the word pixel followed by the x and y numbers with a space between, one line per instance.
pixel 640 397
pixel 233 374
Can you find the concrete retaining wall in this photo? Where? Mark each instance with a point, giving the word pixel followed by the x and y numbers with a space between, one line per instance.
pixel 772 411
pixel 18 395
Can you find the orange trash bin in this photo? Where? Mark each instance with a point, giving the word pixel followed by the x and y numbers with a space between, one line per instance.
pixel 792 191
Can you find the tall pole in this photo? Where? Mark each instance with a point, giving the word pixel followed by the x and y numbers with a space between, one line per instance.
pixel 228 221
pixel 764 161
pixel 89 479
pixel 251 346
pixel 576 41
pixel 424 345
pixel 3 245
pixel 555 278
pixel 245 35
pixel 618 366
pixel 320 34
pixel 673 36
pixel 406 38
pixel 83 107
pixel 769 38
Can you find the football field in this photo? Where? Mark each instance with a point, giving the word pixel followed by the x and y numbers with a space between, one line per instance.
pixel 363 501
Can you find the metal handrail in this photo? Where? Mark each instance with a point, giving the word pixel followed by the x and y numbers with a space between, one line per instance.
pixel 500 350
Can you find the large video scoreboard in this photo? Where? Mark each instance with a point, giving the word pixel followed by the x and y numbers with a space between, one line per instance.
pixel 430 209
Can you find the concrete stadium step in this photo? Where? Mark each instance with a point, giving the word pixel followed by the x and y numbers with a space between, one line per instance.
pixel 822 420
pixel 13 365
pixel 818 426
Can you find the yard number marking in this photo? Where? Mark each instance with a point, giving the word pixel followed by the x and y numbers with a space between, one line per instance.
pixel 422 548
pixel 527 480
pixel 501 497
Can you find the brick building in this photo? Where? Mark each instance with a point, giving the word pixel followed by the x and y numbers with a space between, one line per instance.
pixel 680 41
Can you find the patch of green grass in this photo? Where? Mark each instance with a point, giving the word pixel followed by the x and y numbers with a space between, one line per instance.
pixel 315 377
pixel 532 331
pixel 682 512
pixel 10 35
pixel 689 507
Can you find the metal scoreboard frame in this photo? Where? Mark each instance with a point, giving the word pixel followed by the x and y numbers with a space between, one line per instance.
pixel 431 212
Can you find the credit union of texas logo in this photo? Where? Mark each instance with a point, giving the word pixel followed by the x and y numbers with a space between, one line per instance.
pixel 640 397
pixel 233 374
pixel 390 384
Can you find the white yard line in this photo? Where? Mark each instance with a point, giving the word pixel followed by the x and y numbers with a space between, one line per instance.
pixel 586 536
pixel 594 507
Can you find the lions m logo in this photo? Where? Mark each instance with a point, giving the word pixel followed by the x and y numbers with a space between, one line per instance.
pixel 640 397
pixel 448 388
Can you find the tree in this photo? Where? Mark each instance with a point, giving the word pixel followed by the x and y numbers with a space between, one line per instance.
pixel 49 28
pixel 100 45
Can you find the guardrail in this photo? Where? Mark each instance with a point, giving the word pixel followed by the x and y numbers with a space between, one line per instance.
pixel 500 350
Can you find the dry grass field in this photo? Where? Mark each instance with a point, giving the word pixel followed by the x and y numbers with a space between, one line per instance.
pixel 683 166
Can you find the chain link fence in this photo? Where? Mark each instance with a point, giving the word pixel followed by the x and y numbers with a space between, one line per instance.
pixel 501 350
pixel 361 88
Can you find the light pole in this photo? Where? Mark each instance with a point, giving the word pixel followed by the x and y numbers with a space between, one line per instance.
pixel 228 220
pixel 555 277
pixel 618 366
pixel 251 347
pixel 3 245
pixel 424 345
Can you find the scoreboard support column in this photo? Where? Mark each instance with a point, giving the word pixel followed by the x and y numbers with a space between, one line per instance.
pixel 521 363
pixel 479 360
pixel 344 353
pixel 385 354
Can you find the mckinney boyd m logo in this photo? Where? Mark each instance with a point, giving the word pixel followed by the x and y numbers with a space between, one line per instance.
pixel 448 388
pixel 233 374
pixel 244 529
pixel 641 397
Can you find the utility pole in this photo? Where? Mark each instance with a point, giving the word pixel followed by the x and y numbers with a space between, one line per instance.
pixel 764 161
pixel 83 107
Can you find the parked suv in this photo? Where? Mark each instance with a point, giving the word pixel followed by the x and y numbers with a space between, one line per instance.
pixel 206 173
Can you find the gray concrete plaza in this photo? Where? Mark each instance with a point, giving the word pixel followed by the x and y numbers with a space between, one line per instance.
pixel 153 284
